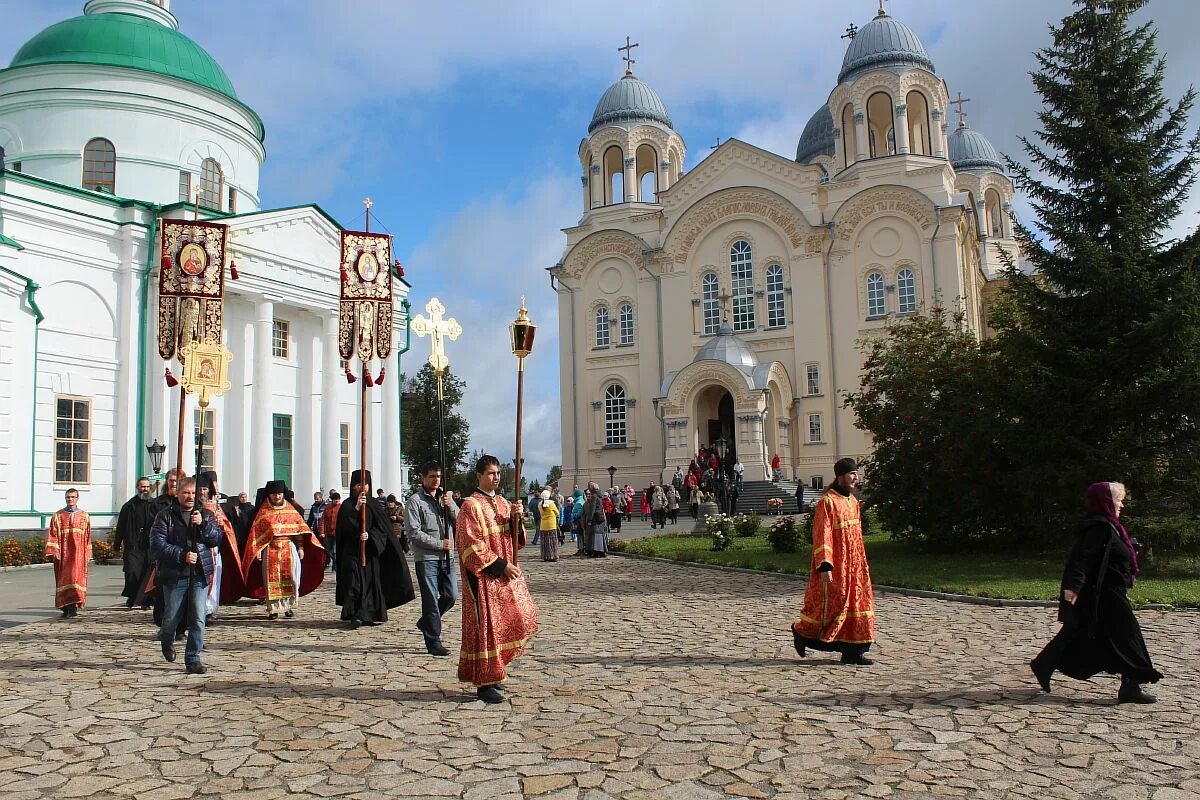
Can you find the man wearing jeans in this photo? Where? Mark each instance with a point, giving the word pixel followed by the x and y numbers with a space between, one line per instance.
pixel 429 517
pixel 180 541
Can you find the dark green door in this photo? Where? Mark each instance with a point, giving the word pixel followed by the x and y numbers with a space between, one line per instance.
pixel 281 442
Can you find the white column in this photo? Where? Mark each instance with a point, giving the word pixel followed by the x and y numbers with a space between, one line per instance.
pixel 630 180
pixel 375 433
pixel 587 193
pixel 938 134
pixel 262 459
pixel 127 426
pixel 664 175
pixel 233 429
pixel 901 118
pixel 306 455
pixel 862 141
pixel 389 443
pixel 596 181
pixel 331 418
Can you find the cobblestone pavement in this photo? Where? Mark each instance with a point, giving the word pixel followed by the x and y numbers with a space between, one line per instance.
pixel 647 680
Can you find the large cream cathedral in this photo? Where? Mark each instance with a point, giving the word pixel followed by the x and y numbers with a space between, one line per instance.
pixel 729 303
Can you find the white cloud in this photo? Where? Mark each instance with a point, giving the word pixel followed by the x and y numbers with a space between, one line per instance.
pixel 479 263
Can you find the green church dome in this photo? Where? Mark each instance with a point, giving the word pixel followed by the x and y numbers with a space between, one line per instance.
pixel 125 40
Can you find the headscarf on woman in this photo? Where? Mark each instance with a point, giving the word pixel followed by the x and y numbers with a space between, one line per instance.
pixel 1101 498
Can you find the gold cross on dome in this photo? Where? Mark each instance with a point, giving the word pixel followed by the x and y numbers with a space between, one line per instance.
pixel 436 327
pixel 882 11
pixel 628 57
pixel 962 115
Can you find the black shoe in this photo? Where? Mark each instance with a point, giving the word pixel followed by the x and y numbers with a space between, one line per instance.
pixel 66 612
pixel 437 649
pixel 196 669
pixel 289 613
pixel 168 651
pixel 798 641
pixel 1043 678
pixel 1134 693
pixel 272 616
pixel 857 660
pixel 72 611
pixel 489 695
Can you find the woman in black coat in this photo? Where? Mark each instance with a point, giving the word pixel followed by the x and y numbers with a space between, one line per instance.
pixel 365 593
pixel 1100 632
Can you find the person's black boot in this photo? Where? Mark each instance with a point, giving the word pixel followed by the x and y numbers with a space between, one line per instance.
pixel 489 695
pixel 1043 676
pixel 1131 692
pixel 798 641
pixel 857 660
pixel 168 651
pixel 437 649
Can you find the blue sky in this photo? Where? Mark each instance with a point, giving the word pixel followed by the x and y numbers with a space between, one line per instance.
pixel 462 120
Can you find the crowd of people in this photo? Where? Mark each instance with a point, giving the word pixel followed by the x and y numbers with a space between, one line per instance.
pixel 191 550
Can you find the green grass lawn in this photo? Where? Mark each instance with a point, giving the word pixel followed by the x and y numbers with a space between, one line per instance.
pixel 1022 577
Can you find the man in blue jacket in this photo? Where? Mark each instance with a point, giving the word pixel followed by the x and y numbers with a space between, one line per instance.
pixel 180 541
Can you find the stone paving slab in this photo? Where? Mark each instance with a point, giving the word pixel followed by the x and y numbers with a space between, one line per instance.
pixel 647 680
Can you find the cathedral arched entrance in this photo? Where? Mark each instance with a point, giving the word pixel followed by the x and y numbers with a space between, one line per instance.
pixel 715 419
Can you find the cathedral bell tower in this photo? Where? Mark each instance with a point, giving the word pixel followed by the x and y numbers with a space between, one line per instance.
pixel 632 151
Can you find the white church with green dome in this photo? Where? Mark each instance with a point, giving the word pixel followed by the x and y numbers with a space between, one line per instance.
pixel 109 123
pixel 728 303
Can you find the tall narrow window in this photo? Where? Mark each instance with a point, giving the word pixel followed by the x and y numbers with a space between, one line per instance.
pixel 185 187
pixel 626 323
pixel 814 428
pixel 212 178
pixel 602 327
pixel 876 306
pixel 995 220
pixel 205 445
pixel 849 136
pixel 709 288
pixel 72 440
pixel 741 267
pixel 615 431
pixel 281 445
pixel 776 315
pixel 906 291
pixel 281 338
pixel 100 166
pixel 918 124
pixel 812 374
pixel 232 200
pixel 881 125
pixel 344 452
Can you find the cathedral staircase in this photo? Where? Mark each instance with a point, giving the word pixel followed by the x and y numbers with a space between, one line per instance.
pixel 755 494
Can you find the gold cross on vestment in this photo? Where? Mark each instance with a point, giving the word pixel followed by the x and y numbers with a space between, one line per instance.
pixel 628 57
pixel 436 327
pixel 962 115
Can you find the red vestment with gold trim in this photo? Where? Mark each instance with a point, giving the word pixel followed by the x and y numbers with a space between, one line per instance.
pixel 69 544
pixel 841 609
pixel 233 585
pixel 498 614
pixel 271 536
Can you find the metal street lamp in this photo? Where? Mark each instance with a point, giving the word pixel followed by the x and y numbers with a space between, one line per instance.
pixel 611 472
pixel 156 451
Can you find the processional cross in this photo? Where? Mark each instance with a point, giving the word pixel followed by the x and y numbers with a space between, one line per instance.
pixel 962 115
pixel 628 57
pixel 436 327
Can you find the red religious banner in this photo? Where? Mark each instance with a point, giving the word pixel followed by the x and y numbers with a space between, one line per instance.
pixel 365 308
pixel 191 284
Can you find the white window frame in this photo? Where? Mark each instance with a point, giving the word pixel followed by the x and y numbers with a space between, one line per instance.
pixel 603 327
pixel 741 272
pixel 876 296
pixel 625 323
pixel 281 339
pixel 906 291
pixel 185 186
pixel 710 291
pixel 616 416
pixel 816 430
pixel 99 174
pixel 211 187
pixel 344 452
pixel 208 450
pixel 776 306
pixel 812 379
pixel 73 441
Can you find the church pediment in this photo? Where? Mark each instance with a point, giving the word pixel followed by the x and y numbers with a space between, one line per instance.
pixel 742 202
pixel 300 236
pixel 736 163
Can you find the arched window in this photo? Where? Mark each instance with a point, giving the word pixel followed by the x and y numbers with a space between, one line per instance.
pixel 646 167
pixel 906 291
pixel 995 218
pixel 849 136
pixel 881 125
pixel 615 431
pixel 709 288
pixel 614 176
pixel 918 124
pixel 602 328
pixel 875 302
pixel 625 319
pixel 741 267
pixel 212 180
pixel 776 316
pixel 100 166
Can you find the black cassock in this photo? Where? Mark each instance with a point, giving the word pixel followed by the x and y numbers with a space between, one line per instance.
pixel 1100 632
pixel 132 537
pixel 366 593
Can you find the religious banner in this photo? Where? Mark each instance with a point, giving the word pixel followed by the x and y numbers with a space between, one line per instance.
pixel 205 369
pixel 365 309
pixel 191 284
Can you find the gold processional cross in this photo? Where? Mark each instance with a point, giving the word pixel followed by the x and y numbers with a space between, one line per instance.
pixel 959 103
pixel 628 57
pixel 436 327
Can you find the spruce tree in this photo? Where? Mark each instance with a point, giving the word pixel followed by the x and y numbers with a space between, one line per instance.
pixel 420 422
pixel 1102 341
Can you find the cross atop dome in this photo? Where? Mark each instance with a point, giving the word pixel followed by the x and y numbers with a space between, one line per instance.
pixel 628 57
pixel 959 102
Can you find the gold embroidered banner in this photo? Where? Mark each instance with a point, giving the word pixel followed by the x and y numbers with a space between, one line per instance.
pixel 365 307
pixel 191 284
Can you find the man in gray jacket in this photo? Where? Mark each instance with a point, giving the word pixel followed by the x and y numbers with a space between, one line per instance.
pixel 429 515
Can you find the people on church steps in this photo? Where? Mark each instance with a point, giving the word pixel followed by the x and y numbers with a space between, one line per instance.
pixel 283 560
pixel 69 548
pixel 365 593
pixel 131 538
pixel 498 614
pixel 839 608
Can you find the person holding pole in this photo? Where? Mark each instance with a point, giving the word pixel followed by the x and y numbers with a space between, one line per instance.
pixel 368 587
pixel 181 541
pixel 429 516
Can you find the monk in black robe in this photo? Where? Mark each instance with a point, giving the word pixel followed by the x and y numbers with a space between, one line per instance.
pixel 132 538
pixel 365 593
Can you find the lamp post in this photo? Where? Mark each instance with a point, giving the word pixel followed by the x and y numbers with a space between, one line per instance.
pixel 521 332
pixel 611 472
pixel 156 451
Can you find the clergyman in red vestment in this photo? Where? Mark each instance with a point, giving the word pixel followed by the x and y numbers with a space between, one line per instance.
pixel 839 609
pixel 69 546
pixel 227 584
pixel 498 614
pixel 283 560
